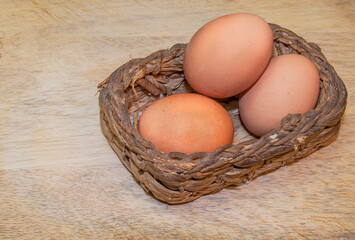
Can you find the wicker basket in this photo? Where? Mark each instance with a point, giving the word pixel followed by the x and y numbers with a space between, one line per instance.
pixel 178 178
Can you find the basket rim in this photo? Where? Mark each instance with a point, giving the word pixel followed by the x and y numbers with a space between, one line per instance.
pixel 272 132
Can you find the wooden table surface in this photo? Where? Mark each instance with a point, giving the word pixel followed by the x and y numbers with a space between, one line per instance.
pixel 59 179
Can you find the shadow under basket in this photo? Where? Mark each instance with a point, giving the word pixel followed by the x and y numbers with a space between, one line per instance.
pixel 178 178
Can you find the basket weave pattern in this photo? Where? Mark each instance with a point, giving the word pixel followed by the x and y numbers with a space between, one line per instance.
pixel 178 178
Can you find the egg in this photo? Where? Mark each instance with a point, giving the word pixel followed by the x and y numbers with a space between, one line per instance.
pixel 228 54
pixel 290 84
pixel 186 123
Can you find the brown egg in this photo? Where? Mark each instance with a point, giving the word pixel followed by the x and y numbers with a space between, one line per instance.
pixel 228 54
pixel 290 84
pixel 186 123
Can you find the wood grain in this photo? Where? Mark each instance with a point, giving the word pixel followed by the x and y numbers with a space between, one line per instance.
pixel 59 179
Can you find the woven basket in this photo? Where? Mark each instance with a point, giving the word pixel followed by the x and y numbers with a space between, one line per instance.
pixel 178 178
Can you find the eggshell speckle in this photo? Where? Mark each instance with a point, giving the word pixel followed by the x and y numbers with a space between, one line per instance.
pixel 228 54
pixel 290 84
pixel 186 123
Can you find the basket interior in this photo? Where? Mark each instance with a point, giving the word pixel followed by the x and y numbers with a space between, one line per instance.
pixel 141 96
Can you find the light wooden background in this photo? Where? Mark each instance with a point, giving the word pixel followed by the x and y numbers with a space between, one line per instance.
pixel 59 179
